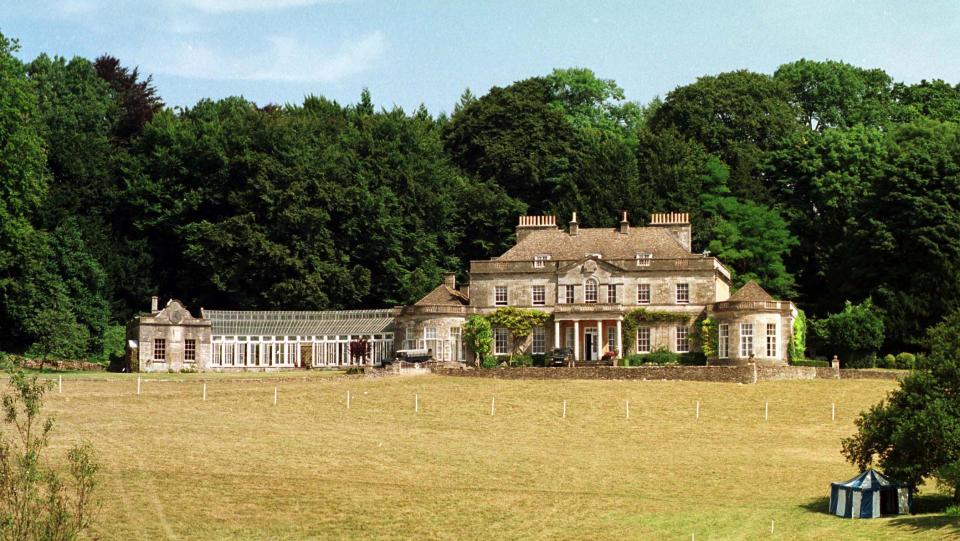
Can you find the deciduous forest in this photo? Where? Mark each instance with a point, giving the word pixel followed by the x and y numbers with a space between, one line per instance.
pixel 824 181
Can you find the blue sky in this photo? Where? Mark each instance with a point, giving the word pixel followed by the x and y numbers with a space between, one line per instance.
pixel 407 53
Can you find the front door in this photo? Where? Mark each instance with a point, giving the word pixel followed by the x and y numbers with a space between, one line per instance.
pixel 591 343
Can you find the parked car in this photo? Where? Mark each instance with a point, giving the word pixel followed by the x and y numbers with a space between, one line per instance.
pixel 413 355
pixel 560 357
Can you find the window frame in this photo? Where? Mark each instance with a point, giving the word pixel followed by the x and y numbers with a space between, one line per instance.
pixel 542 291
pixel 611 293
pixel 587 290
pixel 682 339
pixel 643 340
pixel 746 352
pixel 496 296
pixel 643 288
pixel 685 287
pixel 644 259
pixel 772 341
pixel 723 341
pixel 570 294
pixel 160 349
pixel 539 337
pixel 190 349
pixel 498 333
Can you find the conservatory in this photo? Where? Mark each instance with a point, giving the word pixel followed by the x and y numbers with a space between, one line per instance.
pixel 286 339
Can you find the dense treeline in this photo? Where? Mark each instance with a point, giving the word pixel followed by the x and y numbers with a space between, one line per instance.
pixel 824 181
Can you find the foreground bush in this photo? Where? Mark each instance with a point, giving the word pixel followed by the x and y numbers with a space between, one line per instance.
pixel 906 361
pixel 35 501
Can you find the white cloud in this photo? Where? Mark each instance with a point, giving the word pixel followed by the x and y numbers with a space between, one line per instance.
pixel 285 59
pixel 225 6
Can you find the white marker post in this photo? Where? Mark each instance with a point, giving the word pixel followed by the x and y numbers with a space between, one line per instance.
pixel 493 405
pixel 766 411
pixel 628 409
pixel 61 384
pixel 698 409
pixel 348 399
pixel 274 396
pixel 771 526
pixel 416 403
pixel 138 386
pixel 833 411
pixel 564 416
pixel 204 391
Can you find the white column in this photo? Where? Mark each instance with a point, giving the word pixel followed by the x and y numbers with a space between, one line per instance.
pixel 576 340
pixel 556 334
pixel 619 338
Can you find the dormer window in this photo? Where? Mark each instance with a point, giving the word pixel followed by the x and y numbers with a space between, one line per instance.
pixel 643 259
pixel 540 260
pixel 594 255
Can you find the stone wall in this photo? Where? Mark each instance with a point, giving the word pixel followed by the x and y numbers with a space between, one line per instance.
pixel 723 374
pixel 729 374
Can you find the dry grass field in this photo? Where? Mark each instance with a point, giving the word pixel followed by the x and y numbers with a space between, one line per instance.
pixel 236 466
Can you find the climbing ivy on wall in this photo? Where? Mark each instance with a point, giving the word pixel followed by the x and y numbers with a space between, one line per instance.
pixel 519 321
pixel 635 317
pixel 797 349
pixel 705 332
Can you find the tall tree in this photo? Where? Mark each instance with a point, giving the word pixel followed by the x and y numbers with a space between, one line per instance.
pixel 739 116
pixel 833 94
pixel 136 97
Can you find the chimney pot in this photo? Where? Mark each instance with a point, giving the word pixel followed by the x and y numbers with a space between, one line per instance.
pixel 450 280
pixel 624 223
pixel 154 304
pixel 574 225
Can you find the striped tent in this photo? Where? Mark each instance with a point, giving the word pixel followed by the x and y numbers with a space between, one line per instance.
pixel 869 495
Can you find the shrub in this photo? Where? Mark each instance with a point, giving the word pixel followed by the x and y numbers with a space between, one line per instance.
pixel 810 362
pixel 854 334
pixel 633 359
pixel 522 360
pixel 888 361
pixel 693 358
pixel 661 357
pixel 539 359
pixel 906 361
pixel 36 501
pixel 489 361
pixel 952 511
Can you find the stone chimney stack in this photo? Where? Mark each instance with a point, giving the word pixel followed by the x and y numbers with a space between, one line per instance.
pixel 574 225
pixel 154 304
pixel 624 223
pixel 677 224
pixel 450 280
pixel 534 223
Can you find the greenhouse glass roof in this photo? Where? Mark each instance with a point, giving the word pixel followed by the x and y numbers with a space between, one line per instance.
pixel 284 323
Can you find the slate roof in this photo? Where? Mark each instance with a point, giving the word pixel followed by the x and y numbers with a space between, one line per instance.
pixel 444 296
pixel 610 243
pixel 751 291
pixel 286 323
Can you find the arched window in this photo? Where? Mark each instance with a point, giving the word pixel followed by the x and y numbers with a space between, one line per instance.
pixel 590 290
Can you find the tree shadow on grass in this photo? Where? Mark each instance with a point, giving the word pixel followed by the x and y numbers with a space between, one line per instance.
pixel 927 514
pixel 818 505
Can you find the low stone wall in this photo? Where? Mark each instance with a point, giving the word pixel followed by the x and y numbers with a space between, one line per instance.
pixel 780 373
pixel 872 373
pixel 725 374
pixel 729 374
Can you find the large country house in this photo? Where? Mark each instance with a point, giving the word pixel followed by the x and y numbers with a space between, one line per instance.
pixel 589 280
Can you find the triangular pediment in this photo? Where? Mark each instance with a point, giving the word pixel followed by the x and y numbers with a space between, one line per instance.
pixel 588 266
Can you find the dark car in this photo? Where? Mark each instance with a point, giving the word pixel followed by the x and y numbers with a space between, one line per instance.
pixel 413 355
pixel 560 357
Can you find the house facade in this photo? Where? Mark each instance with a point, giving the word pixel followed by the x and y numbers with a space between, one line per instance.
pixel 607 291
pixel 592 280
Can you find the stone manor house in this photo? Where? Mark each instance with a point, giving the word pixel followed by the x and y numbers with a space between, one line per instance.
pixel 587 279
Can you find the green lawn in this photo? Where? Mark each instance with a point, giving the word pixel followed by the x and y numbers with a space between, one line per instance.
pixel 236 466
